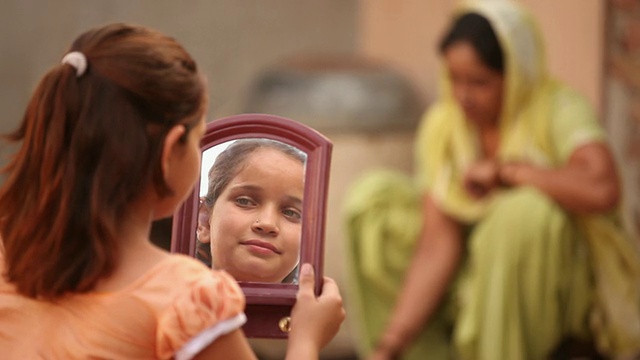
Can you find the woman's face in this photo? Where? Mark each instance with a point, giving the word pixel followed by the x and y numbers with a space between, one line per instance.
pixel 255 223
pixel 477 88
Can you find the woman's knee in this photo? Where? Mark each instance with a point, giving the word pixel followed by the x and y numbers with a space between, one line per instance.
pixel 520 219
pixel 526 207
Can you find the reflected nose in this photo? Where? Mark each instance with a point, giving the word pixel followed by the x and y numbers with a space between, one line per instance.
pixel 266 224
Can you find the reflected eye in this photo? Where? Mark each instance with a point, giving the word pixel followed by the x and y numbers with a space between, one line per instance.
pixel 245 202
pixel 293 215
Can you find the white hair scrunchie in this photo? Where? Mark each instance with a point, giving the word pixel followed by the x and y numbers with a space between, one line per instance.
pixel 77 60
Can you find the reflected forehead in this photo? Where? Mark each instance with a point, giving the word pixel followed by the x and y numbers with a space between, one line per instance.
pixel 273 160
pixel 255 188
pixel 271 169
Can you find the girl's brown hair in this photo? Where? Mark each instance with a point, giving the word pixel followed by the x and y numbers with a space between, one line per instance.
pixel 231 161
pixel 90 145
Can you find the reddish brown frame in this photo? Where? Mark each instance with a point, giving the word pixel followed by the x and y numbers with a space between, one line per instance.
pixel 268 303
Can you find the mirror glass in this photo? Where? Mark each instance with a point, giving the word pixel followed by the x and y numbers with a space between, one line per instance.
pixel 250 209
pixel 260 212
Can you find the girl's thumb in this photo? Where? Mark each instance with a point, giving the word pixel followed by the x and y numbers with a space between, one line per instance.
pixel 307 280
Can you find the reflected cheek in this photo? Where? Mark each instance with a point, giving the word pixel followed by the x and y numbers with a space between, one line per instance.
pixel 222 252
pixel 222 238
pixel 292 243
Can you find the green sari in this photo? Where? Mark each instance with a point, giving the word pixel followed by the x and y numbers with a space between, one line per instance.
pixel 534 274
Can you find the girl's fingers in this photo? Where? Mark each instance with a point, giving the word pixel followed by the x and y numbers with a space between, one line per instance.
pixel 307 280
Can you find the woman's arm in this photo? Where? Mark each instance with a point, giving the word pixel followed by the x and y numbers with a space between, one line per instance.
pixel 588 183
pixel 431 270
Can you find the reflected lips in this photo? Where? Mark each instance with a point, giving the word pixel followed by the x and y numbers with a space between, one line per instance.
pixel 261 244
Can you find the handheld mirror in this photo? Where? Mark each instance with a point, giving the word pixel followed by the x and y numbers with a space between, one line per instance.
pixel 258 211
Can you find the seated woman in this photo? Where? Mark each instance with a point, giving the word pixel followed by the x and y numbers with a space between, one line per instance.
pixel 251 217
pixel 518 240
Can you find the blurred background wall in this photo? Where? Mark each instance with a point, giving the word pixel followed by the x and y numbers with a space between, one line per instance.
pixel 406 33
pixel 348 46
pixel 232 40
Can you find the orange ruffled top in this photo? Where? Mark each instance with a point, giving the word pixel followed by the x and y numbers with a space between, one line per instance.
pixel 152 318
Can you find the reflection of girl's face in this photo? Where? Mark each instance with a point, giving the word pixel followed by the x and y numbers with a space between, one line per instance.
pixel 255 223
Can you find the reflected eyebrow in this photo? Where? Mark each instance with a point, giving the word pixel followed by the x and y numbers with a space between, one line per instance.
pixel 255 188
pixel 295 200
pixel 246 187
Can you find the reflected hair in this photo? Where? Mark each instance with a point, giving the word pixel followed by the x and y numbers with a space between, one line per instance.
pixel 231 161
pixel 89 145
pixel 476 30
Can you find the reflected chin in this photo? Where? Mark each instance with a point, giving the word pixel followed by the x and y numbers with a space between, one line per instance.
pixel 257 269
pixel 254 261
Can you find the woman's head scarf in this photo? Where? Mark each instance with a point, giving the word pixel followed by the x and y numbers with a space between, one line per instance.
pixel 448 144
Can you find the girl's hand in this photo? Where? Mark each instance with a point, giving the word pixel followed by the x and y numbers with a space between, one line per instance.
pixel 314 320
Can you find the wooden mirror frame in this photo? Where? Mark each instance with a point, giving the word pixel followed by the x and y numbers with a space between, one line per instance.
pixel 269 303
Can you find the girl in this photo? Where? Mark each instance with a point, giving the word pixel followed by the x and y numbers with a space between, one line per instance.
pixel 110 142
pixel 252 212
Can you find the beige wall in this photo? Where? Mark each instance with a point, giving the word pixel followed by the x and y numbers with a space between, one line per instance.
pixel 232 40
pixel 574 31
pixel 405 33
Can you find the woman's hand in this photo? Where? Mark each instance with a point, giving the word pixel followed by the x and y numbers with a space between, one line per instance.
pixel 482 177
pixel 384 352
pixel 314 320
pixel 588 183
pixel 486 175
pixel 514 174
